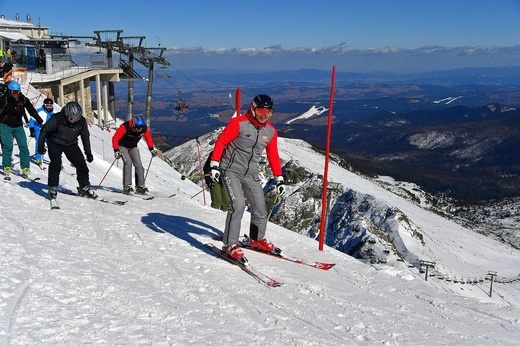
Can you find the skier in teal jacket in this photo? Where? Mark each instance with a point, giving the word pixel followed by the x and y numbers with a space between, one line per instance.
pixel 12 110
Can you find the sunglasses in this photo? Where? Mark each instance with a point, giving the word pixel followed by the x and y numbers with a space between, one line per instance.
pixel 263 112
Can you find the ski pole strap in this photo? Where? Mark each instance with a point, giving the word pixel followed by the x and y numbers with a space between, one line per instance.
pixel 274 205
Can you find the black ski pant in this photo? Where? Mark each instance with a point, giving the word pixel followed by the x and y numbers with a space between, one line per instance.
pixel 74 154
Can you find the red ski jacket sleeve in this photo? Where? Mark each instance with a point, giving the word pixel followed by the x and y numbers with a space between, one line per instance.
pixel 229 133
pixel 148 138
pixel 120 132
pixel 273 156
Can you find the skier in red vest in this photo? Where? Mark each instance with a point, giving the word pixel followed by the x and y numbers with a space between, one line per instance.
pixel 125 142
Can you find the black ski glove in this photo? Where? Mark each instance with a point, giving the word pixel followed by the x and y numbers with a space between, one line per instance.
pixel 90 158
pixel 214 172
pixel 280 185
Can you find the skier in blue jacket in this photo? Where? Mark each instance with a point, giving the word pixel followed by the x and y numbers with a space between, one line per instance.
pixel 45 112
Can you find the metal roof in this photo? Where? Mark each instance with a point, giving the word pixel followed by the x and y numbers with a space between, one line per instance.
pixel 15 24
pixel 14 36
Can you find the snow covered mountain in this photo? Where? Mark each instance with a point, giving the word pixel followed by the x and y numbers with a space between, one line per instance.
pixel 139 274
pixel 313 111
pixel 385 211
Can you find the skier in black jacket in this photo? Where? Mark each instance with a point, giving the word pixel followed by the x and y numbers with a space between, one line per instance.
pixel 61 132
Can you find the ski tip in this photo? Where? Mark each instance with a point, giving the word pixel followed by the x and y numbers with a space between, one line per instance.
pixel 274 283
pixel 324 266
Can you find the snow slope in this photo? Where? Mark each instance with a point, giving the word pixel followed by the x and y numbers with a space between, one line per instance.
pixel 100 274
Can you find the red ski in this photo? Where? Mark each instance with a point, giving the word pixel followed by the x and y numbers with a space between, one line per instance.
pixel 245 266
pixel 278 253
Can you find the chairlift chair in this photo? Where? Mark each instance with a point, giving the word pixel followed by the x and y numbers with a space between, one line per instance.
pixel 98 59
pixel 181 106
pixel 162 72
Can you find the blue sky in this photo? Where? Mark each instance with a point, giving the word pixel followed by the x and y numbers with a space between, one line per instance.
pixel 356 36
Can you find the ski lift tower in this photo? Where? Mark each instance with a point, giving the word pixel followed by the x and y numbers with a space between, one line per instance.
pixel 109 45
pixel 145 56
pixel 129 51
pixel 148 59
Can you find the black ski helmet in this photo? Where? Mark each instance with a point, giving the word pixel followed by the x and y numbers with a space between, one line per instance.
pixel 262 101
pixel 72 111
pixel 48 101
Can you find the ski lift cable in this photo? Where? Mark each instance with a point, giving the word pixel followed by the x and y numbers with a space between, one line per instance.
pixel 191 80
pixel 179 91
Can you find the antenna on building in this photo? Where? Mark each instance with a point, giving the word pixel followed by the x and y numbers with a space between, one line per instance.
pixel 39 27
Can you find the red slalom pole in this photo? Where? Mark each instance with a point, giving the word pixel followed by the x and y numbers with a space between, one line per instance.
pixel 237 102
pixel 326 168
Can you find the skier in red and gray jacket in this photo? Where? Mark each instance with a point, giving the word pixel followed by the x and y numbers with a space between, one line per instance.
pixel 235 158
pixel 125 142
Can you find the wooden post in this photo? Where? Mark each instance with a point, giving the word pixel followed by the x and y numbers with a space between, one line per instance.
pixel 492 274
pixel 427 264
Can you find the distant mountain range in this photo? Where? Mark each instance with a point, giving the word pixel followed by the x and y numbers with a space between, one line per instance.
pixel 470 154
pixel 451 132
pixel 214 78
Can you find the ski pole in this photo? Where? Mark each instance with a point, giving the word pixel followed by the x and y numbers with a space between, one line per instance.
pixel 149 164
pixel 109 168
pixel 195 195
pixel 183 177
pixel 201 170
pixel 274 205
